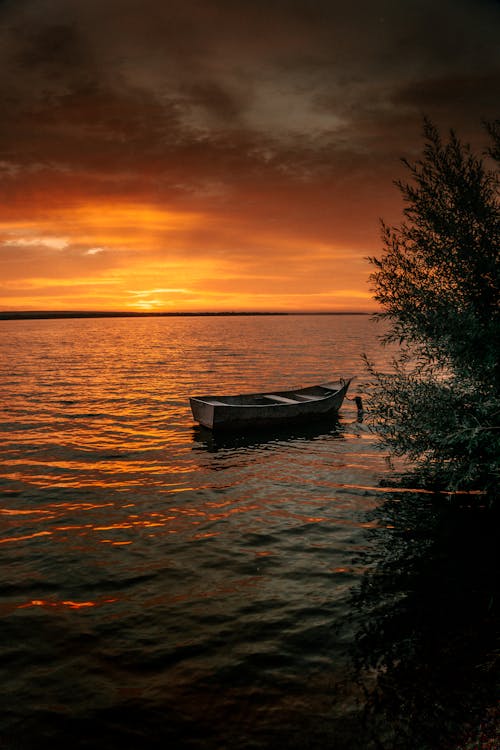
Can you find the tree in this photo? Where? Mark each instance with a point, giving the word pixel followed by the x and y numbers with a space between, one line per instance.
pixel 438 283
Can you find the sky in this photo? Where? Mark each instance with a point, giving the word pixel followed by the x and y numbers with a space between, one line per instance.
pixel 221 155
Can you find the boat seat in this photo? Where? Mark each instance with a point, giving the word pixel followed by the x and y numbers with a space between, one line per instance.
pixel 281 399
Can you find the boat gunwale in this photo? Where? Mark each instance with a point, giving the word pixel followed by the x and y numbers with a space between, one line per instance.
pixel 214 400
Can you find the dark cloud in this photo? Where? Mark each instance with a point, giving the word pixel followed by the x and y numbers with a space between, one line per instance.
pixel 52 49
pixel 271 113
pixel 455 101
pixel 223 107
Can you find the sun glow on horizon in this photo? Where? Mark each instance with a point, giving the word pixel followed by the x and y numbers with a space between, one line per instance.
pixel 143 257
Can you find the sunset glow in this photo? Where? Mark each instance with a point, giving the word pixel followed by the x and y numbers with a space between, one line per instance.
pixel 146 258
pixel 197 157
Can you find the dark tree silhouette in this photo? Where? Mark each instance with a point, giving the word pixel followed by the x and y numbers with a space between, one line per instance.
pixel 438 283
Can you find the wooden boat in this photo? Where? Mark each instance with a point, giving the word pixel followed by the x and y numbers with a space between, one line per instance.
pixel 254 410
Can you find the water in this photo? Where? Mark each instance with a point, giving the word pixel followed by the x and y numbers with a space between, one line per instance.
pixel 159 584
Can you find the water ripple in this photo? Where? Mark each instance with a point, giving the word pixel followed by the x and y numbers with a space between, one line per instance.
pixel 147 561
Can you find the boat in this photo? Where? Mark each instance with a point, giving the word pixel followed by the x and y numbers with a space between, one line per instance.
pixel 273 409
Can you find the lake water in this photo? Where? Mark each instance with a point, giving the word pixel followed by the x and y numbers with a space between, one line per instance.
pixel 158 584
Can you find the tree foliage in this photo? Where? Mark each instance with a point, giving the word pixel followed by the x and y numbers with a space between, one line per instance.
pixel 438 284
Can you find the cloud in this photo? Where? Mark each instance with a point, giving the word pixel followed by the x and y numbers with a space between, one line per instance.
pixel 236 132
pixel 151 96
pixel 161 290
pixel 59 243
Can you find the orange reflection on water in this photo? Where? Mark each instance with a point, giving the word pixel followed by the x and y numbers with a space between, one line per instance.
pixel 114 543
pixel 206 534
pixel 411 490
pixel 46 603
pixel 141 524
pixel 74 527
pixel 11 512
pixel 80 506
pixel 65 603
pixel 26 536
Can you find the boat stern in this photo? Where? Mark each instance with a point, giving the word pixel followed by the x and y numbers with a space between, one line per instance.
pixel 202 412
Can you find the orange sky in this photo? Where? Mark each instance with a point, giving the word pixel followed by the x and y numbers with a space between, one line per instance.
pixel 138 256
pixel 195 156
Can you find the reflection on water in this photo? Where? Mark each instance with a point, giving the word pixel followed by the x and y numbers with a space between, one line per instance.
pixel 214 441
pixel 161 584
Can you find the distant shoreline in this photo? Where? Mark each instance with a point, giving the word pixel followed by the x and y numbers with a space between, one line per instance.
pixel 63 314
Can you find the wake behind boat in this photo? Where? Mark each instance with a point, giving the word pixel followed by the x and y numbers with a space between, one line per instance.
pixel 254 410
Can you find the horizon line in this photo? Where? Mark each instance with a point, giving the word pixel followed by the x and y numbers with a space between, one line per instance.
pixel 58 314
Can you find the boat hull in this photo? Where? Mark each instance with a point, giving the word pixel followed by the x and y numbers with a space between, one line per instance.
pixel 280 410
